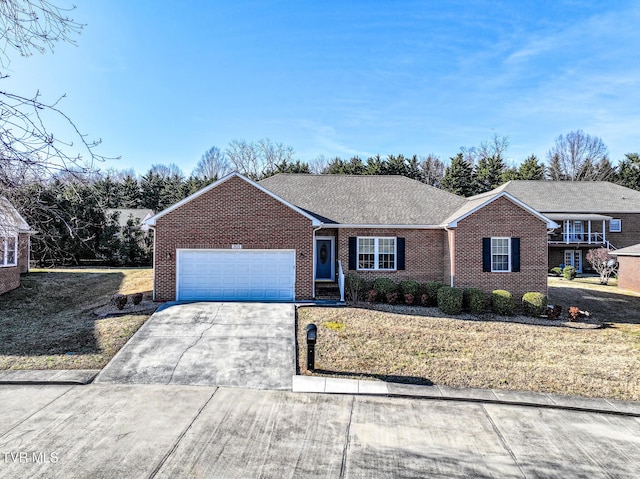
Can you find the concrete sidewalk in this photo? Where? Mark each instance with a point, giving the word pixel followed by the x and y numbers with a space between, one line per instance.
pixel 157 431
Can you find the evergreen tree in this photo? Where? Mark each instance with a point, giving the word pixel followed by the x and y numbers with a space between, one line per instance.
pixel 531 169
pixel 458 177
pixel 489 173
pixel 130 193
pixel 629 171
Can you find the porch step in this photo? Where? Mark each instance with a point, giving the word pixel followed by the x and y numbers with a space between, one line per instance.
pixel 327 291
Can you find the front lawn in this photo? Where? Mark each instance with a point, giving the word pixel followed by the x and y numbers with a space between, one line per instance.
pixel 422 346
pixel 48 322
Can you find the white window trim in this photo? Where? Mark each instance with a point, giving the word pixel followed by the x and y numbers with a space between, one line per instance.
pixel 617 230
pixel 3 260
pixel 509 253
pixel 376 253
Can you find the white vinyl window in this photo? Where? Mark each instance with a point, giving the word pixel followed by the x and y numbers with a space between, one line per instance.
pixel 500 255
pixel 377 253
pixel 8 251
pixel 615 226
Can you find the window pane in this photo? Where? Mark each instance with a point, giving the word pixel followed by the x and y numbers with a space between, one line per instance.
pixel 11 251
pixel 499 254
pixel 387 261
pixel 386 245
pixel 2 243
pixel 366 261
pixel 366 245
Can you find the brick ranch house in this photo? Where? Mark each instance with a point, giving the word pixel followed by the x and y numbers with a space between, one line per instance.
pixel 15 244
pixel 281 237
pixel 590 214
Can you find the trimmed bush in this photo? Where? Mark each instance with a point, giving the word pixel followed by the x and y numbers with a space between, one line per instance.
pixel 372 296
pixel 534 304
pixel 574 313
pixel 474 300
pixel 554 312
pixel 502 302
pixel 120 300
pixel 354 286
pixel 450 300
pixel 557 271
pixel 384 286
pixel 431 290
pixel 410 287
pixel 569 273
pixel 392 298
pixel 409 299
pixel 136 298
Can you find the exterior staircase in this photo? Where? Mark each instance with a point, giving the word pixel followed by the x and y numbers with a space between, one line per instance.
pixel 327 290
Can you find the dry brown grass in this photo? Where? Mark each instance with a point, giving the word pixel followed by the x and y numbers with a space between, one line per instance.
pixel 48 323
pixel 475 352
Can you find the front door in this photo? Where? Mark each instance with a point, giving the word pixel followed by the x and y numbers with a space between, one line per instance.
pixel 324 259
pixel 573 258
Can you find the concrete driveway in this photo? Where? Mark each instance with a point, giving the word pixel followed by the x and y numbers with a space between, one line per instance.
pixel 249 345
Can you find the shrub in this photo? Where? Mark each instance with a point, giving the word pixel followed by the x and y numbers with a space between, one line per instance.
pixel 553 313
pixel 502 302
pixel 136 298
pixel 474 300
pixel 557 271
pixel 120 300
pixel 431 290
pixel 392 298
pixel 354 286
pixel 372 296
pixel 424 299
pixel 574 313
pixel 450 300
pixel 569 273
pixel 409 299
pixel 534 304
pixel 384 286
pixel 410 287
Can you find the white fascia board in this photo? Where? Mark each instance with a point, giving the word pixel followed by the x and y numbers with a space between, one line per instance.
pixel 550 223
pixel 152 221
pixel 371 226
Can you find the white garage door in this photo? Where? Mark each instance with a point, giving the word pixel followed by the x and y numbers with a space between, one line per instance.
pixel 243 275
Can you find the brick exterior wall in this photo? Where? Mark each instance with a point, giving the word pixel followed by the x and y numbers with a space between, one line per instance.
pixel 234 212
pixel 629 273
pixel 502 218
pixel 424 253
pixel 10 275
pixel 629 236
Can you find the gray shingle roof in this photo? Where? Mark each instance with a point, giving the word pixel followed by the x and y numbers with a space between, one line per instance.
pixel 365 200
pixel 574 196
pixel 633 250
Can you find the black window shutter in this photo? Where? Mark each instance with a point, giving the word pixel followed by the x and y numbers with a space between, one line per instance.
pixel 486 254
pixel 353 252
pixel 400 249
pixel 515 255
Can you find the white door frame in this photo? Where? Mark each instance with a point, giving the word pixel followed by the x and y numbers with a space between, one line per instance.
pixel 573 257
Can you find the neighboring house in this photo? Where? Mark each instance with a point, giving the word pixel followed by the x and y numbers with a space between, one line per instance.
pixel 15 245
pixel 277 239
pixel 590 214
pixel 125 214
pixel 629 267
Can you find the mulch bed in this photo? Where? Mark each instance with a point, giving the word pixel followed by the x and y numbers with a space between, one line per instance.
pixel 110 309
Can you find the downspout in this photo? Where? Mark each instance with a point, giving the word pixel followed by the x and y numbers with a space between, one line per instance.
pixel 452 250
pixel 313 248
pixel 153 281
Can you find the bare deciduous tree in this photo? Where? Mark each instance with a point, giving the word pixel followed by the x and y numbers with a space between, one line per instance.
pixel 212 165
pixel 575 157
pixel 27 144
pixel 605 263
pixel 255 160
pixel 432 170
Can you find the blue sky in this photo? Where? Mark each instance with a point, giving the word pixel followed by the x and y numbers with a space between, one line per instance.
pixel 161 82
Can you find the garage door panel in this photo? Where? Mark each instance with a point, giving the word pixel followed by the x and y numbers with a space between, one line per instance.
pixel 257 275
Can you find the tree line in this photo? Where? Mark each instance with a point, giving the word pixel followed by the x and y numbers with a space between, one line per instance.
pixel 69 210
